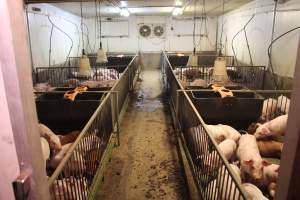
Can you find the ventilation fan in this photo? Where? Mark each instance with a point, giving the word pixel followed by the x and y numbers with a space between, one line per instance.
pixel 158 31
pixel 145 31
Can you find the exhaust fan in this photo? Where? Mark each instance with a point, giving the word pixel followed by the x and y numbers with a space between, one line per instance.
pixel 159 30
pixel 145 31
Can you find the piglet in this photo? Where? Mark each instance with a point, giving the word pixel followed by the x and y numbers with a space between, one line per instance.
pixel 252 192
pixel 52 139
pixel 250 159
pixel 275 127
pixel 45 149
pixel 228 148
pixel 230 133
pixel 212 160
pixel 269 108
pixel 217 133
pixel 270 148
pixel 199 83
pixel 58 155
pixel 269 179
pixel 283 104
pixel 69 138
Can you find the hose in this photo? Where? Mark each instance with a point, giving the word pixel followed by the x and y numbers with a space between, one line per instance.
pixel 72 43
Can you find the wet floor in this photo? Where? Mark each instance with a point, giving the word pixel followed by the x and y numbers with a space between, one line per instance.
pixel 146 165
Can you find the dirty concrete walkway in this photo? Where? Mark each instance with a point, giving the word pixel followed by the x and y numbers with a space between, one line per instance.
pixel 146 165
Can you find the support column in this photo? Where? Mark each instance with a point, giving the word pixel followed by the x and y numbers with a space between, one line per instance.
pixel 289 175
pixel 16 70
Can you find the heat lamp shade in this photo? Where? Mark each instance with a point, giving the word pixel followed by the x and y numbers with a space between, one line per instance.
pixel 193 61
pixel 101 56
pixel 84 65
pixel 219 71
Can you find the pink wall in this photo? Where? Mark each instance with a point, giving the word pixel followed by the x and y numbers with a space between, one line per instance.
pixel 9 167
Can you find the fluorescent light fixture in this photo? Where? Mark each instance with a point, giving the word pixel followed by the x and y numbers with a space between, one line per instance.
pixel 180 54
pixel 120 56
pixel 178 3
pixel 177 11
pixel 124 12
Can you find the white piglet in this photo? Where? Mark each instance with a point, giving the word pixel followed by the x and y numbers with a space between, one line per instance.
pixel 275 127
pixel 45 149
pixel 52 139
pixel 252 192
pixel 250 159
pixel 217 133
pixel 228 148
pixel 230 132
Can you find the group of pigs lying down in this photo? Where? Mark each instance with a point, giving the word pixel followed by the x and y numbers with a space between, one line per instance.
pixel 84 159
pixel 245 154
pixel 200 77
pixel 104 78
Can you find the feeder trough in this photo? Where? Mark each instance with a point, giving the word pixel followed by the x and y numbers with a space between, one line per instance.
pixel 62 115
pixel 238 111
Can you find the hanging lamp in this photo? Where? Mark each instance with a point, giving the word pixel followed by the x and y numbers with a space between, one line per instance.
pixel 84 63
pixel 193 58
pixel 219 71
pixel 101 54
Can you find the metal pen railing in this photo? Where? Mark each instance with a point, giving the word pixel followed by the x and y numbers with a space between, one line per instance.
pixel 204 59
pixel 64 76
pixel 211 171
pixel 276 103
pixel 79 172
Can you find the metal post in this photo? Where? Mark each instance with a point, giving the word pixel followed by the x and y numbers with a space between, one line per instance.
pixel 289 176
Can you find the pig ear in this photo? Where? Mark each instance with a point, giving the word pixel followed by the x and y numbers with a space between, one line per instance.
pixel 248 162
pixel 265 163
pixel 265 131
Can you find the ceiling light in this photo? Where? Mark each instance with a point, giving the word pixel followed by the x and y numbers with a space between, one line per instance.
pixel 124 12
pixel 177 11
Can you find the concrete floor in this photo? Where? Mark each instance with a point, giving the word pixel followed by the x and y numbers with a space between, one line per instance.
pixel 146 165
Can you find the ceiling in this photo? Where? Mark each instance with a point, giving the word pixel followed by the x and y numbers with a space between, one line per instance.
pixel 147 7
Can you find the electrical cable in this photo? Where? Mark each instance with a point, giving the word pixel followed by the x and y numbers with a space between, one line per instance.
pixel 232 41
pixel 72 43
pixel 100 26
pixel 222 29
pixel 194 27
pixel 272 38
pixel 50 45
pixel 81 26
pixel 270 53
pixel 96 21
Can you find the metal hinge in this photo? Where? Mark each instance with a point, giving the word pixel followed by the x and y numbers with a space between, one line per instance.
pixel 21 186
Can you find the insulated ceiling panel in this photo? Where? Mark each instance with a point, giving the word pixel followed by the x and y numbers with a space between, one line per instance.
pixel 146 7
